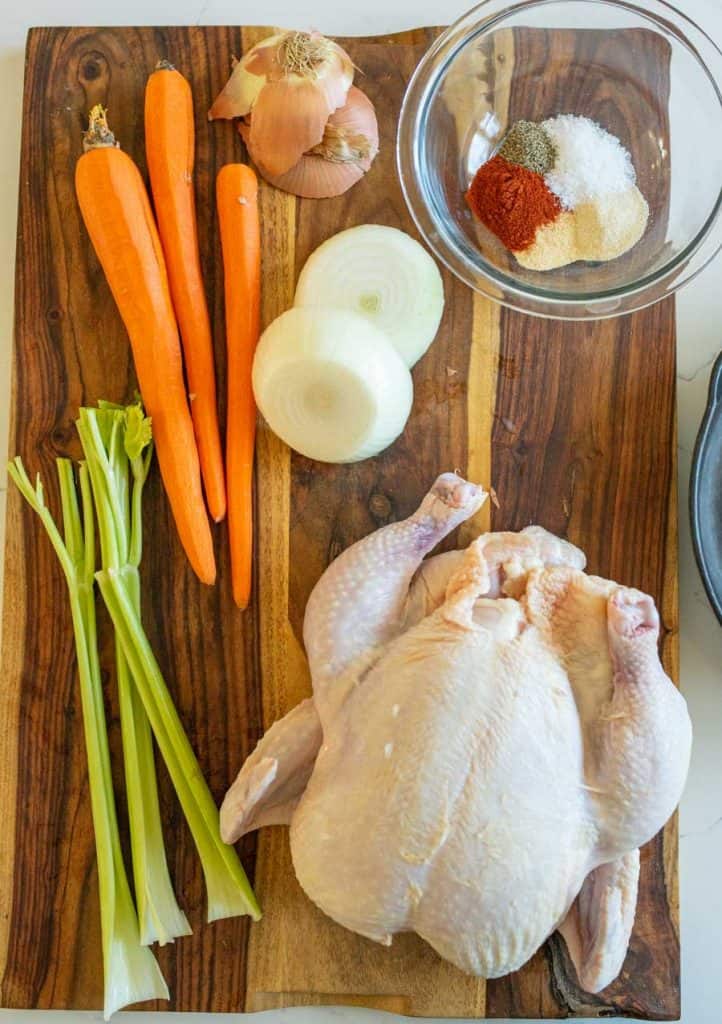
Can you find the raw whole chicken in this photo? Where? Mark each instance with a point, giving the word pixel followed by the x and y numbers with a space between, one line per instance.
pixel 491 739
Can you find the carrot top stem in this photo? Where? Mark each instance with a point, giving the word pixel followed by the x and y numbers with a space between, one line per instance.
pixel 164 65
pixel 98 135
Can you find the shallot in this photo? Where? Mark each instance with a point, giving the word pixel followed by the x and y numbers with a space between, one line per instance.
pixel 306 128
pixel 349 144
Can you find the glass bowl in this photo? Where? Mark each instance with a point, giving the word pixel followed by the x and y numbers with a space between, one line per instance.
pixel 646 73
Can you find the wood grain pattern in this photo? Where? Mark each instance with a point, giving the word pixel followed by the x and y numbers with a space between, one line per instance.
pixel 329 507
pixel 465 107
pixel 572 424
pixel 580 455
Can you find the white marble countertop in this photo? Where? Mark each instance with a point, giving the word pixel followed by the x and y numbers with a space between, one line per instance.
pixel 699 335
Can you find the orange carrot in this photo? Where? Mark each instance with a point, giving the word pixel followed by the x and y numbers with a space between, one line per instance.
pixel 237 199
pixel 117 214
pixel 169 150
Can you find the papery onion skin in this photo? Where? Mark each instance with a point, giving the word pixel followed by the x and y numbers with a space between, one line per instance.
pixel 264 64
pixel 339 79
pixel 350 143
pixel 352 132
pixel 238 95
pixel 315 178
pixel 287 120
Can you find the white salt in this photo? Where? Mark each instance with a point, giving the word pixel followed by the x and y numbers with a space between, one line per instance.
pixel 590 162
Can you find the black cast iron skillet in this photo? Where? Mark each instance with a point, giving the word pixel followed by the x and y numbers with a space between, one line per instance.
pixel 705 493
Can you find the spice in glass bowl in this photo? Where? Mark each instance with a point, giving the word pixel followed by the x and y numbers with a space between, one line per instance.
pixel 511 201
pixel 560 191
pixel 529 145
pixel 590 162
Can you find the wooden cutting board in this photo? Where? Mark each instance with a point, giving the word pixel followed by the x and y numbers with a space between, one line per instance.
pixel 573 425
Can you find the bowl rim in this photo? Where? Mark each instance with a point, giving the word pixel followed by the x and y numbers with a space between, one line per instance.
pixel 423 86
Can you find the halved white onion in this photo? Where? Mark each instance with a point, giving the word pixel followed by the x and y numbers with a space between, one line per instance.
pixel 383 274
pixel 331 385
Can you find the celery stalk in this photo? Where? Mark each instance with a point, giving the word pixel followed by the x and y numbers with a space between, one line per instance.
pixel 229 893
pixel 103 434
pixel 160 917
pixel 130 971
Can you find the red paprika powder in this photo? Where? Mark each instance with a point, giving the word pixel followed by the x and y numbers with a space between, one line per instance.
pixel 512 202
